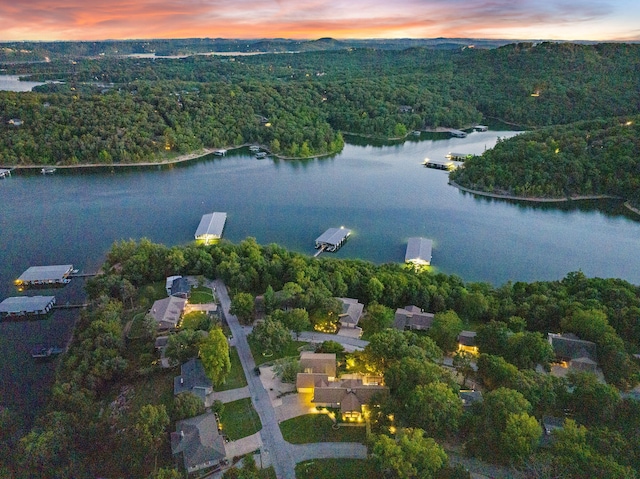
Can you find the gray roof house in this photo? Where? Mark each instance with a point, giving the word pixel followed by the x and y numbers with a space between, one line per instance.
pixel 194 380
pixel 351 312
pixel 197 441
pixel 181 288
pixel 412 317
pixel 167 312
pixel 580 354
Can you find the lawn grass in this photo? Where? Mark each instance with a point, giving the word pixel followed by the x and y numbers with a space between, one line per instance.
pixel 317 428
pixel 239 419
pixel 201 295
pixel 236 378
pixel 337 469
pixel 292 349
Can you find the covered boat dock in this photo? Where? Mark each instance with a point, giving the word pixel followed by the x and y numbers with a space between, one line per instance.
pixel 439 164
pixel 45 275
pixel 418 251
pixel 17 306
pixel 332 239
pixel 211 226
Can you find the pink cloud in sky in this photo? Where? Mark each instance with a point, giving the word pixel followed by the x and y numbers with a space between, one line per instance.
pixel 104 19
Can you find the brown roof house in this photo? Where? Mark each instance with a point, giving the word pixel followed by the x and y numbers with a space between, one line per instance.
pixel 349 393
pixel 194 380
pixel 317 368
pixel 351 396
pixel 198 443
pixel 167 312
pixel 412 318
pixel 573 352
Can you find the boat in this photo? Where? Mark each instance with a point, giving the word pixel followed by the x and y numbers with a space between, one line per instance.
pixel 254 148
pixel 261 155
pixel 48 171
pixel 42 352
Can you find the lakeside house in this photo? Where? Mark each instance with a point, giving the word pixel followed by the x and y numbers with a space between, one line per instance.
pixel 180 288
pixel 412 318
pixel 198 445
pixel 350 393
pixel 194 380
pixel 467 342
pixel 574 353
pixel 169 282
pixel 167 312
pixel 350 317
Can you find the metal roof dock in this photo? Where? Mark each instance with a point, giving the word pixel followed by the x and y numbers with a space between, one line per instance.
pixel 26 305
pixel 211 226
pixel 43 275
pixel 419 251
pixel 439 164
pixel 332 239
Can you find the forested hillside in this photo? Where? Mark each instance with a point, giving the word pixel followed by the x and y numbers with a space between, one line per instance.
pixel 599 157
pixel 112 109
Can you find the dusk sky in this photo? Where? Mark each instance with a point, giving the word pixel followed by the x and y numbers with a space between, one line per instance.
pixel 310 19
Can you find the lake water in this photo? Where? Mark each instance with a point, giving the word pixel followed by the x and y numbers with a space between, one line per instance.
pixel 13 83
pixel 381 192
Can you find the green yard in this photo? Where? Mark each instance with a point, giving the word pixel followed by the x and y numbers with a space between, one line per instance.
pixel 201 295
pixel 317 428
pixel 239 419
pixel 236 378
pixel 337 469
pixel 292 349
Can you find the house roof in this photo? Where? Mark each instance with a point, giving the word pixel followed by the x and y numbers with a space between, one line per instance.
pixel 192 379
pixel 467 338
pixel 199 442
pixel 340 391
pixel 167 311
pixel 418 250
pixel 569 346
pixel 324 363
pixel 26 304
pixel 412 317
pixel 470 396
pixel 311 380
pixel 180 286
pixel 211 225
pixel 46 274
pixel 351 311
pixel 551 423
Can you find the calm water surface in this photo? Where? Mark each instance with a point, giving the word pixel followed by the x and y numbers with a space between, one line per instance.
pixel 381 192
pixel 13 83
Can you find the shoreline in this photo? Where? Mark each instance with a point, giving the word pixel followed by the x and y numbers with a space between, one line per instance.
pixel 195 155
pixel 538 199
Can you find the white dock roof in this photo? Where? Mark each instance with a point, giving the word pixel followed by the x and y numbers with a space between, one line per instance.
pixel 26 304
pixel 211 226
pixel 47 274
pixel 333 236
pixel 419 250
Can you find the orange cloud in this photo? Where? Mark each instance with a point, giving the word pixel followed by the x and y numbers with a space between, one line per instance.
pixel 103 19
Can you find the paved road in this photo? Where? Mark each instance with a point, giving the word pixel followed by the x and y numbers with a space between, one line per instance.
pixel 344 340
pixel 278 449
pixel 328 450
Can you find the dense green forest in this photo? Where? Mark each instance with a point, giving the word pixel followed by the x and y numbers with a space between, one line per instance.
pixel 599 157
pixel 601 440
pixel 113 109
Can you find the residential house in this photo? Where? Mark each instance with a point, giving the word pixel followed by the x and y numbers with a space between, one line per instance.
pixel 351 312
pixel 317 369
pixel 193 379
pixel 573 352
pixel 412 318
pixel 469 397
pixel 181 288
pixel 167 312
pixel 198 444
pixel 467 342
pixel 169 282
pixel 351 396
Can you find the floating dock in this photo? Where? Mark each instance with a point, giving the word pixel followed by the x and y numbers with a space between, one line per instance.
pixel 457 133
pixel 220 152
pixel 439 164
pixel 44 352
pixel 48 171
pixel 481 128
pixel 211 226
pixel 4 172
pixel 23 306
pixel 419 251
pixel 332 239
pixel 459 156
pixel 45 276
